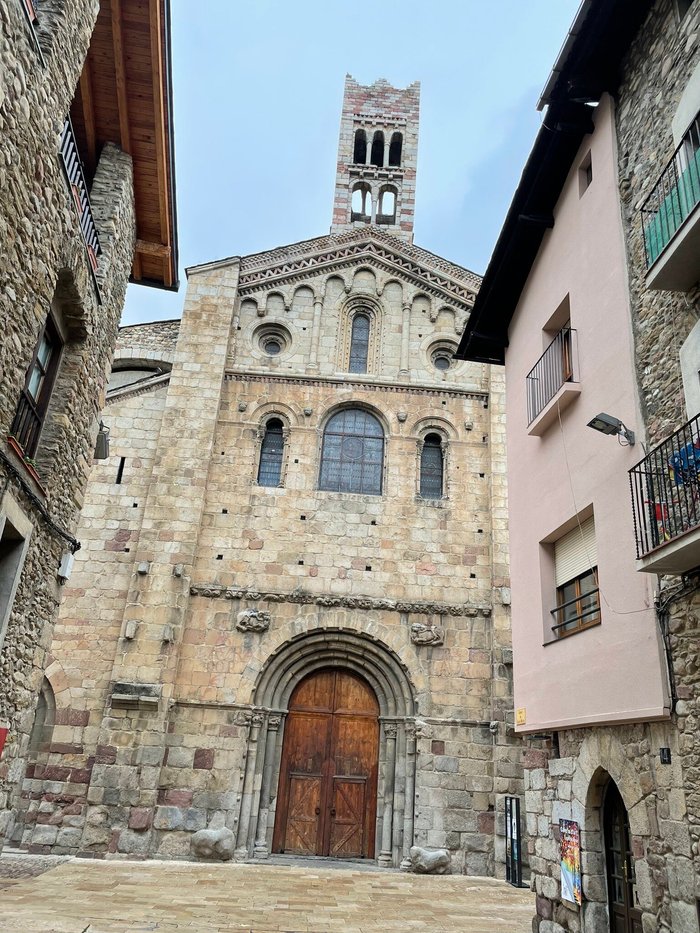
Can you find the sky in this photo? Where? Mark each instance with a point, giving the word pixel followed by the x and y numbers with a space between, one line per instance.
pixel 258 88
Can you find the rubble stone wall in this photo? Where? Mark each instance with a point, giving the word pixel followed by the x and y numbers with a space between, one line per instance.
pixel 44 264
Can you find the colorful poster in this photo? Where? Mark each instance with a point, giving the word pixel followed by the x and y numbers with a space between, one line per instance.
pixel 570 850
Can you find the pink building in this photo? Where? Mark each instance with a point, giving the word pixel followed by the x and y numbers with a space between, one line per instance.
pixel 603 691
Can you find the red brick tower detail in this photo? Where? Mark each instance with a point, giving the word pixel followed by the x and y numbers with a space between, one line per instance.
pixel 376 175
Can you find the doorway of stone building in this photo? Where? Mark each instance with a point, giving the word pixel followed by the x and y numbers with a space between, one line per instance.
pixel 625 915
pixel 327 797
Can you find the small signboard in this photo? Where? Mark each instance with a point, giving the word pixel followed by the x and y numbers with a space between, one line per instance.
pixel 520 716
pixel 570 854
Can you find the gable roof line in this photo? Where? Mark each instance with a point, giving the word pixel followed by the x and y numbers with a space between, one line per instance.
pixel 280 255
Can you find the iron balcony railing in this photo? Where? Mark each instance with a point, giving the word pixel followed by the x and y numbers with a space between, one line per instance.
pixel 557 365
pixel 73 168
pixel 666 489
pixel 674 196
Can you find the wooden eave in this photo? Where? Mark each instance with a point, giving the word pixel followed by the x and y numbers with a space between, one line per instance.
pixel 124 96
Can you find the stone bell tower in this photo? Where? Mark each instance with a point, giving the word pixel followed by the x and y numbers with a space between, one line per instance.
pixel 376 174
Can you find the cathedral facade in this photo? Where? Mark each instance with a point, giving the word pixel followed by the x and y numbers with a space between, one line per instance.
pixel 289 618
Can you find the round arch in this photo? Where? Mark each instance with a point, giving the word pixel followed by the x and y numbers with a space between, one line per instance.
pixel 388 677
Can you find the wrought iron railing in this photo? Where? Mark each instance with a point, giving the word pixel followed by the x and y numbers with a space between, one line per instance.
pixel 26 424
pixel 674 196
pixel 666 489
pixel 557 365
pixel 30 7
pixel 73 168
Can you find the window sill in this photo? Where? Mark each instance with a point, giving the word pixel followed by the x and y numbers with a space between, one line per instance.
pixel 567 394
pixel 16 449
pixel 441 503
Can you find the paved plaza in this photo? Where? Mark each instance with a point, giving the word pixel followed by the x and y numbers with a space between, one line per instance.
pixel 82 896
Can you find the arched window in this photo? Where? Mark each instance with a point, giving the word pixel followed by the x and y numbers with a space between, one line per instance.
pixel 431 467
pixel 386 213
pixel 361 206
pixel 395 149
pixel 271 451
pixel 359 344
pixel 359 156
pixel 378 149
pixel 352 456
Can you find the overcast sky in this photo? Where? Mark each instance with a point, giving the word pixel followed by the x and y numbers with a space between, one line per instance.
pixel 258 87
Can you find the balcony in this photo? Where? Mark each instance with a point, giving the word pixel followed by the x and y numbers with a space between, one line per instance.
pixel 666 503
pixel 671 219
pixel 73 169
pixel 553 383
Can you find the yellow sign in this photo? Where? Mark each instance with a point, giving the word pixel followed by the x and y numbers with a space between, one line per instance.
pixel 520 716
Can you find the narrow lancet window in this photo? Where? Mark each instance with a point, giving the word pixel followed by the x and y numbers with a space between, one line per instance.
pixel 431 468
pixel 271 451
pixel 359 344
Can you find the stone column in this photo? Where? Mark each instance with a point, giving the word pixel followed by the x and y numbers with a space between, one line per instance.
pixel 404 371
pixel 387 143
pixel 410 793
pixel 244 825
pixel 385 854
pixel 315 333
pixel 273 724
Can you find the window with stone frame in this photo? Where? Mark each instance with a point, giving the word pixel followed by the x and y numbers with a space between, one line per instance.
pixel 35 395
pixel 352 453
pixel 432 468
pixel 359 343
pixel 271 454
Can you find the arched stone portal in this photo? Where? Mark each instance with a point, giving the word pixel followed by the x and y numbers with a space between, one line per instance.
pixel 388 678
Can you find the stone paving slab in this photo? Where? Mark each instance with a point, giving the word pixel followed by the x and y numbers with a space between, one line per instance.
pixel 83 896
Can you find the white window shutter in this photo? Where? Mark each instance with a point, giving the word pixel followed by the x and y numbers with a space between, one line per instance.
pixel 575 553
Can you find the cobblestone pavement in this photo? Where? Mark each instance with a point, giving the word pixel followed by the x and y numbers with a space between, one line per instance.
pixel 82 896
pixel 17 865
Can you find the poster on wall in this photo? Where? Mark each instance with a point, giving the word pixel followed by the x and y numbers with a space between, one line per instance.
pixel 570 853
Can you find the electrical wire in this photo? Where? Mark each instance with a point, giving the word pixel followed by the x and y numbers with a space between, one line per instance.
pixel 37 503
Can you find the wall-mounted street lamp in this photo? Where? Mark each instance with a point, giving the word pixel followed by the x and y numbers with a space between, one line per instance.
pixel 608 424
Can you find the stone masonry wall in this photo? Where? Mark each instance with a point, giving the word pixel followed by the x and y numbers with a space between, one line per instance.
pixel 43 260
pixel 207 544
pixel 655 74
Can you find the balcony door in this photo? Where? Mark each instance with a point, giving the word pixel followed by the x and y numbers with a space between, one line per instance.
pixel 327 797
pixel 625 916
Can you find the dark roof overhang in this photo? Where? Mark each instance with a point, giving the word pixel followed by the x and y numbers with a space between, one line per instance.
pixel 587 67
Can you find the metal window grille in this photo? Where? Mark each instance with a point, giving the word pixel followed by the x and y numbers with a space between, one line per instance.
pixel 431 468
pixel 352 455
pixel 674 196
pixel 271 451
pixel 557 365
pixel 359 344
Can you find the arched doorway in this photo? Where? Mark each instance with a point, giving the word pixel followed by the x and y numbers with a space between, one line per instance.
pixel 625 915
pixel 327 798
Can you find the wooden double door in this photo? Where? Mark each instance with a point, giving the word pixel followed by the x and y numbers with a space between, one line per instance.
pixel 327 799
pixel 625 915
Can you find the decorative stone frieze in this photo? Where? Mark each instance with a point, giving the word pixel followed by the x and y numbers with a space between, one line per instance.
pixel 215 591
